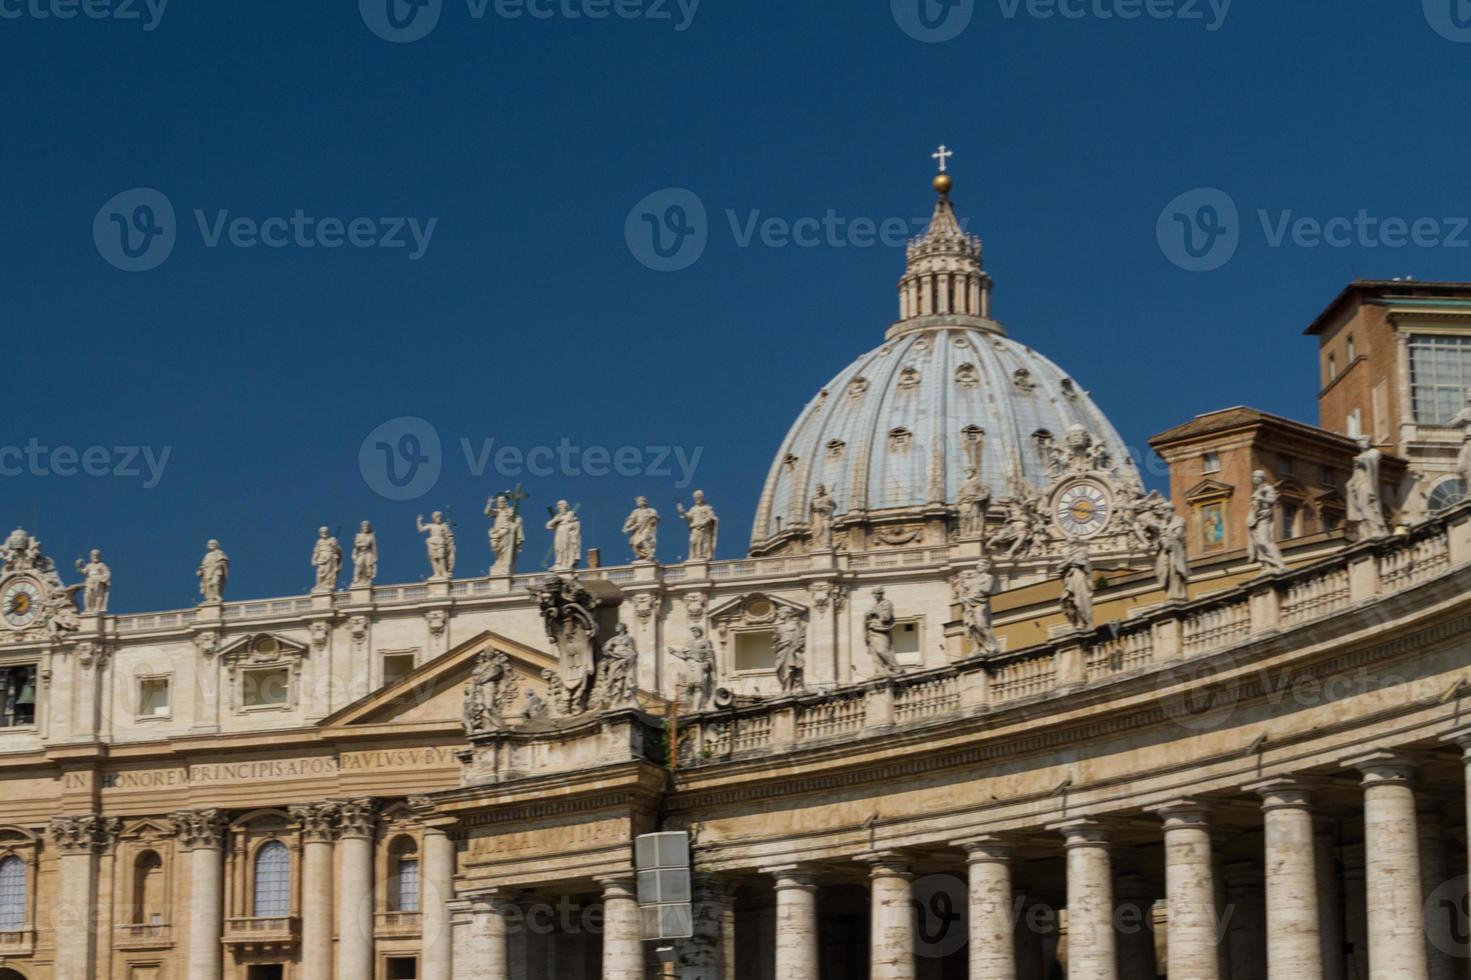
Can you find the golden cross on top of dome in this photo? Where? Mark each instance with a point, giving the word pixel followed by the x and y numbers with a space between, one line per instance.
pixel 943 156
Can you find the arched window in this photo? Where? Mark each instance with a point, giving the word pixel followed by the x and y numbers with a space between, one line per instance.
pixel 403 876
pixel 12 894
pixel 148 889
pixel 1447 493
pixel 272 881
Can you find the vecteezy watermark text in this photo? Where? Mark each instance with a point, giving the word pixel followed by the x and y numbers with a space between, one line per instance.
pixel 137 230
pixel 668 230
pixel 405 21
pixel 148 12
pixel 121 462
pixel 402 459
pixel 938 21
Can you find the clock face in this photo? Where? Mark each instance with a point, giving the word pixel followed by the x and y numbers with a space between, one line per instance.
pixel 20 603
pixel 1082 509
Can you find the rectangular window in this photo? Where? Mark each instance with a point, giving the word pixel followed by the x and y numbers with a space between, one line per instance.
pixel 266 688
pixel 397 666
pixel 18 696
pixel 1352 351
pixel 408 885
pixel 1284 466
pixel 1212 463
pixel 753 650
pixel 1332 368
pixel 1440 373
pixel 401 968
pixel 1289 520
pixel 906 643
pixel 153 697
pixel 1327 478
pixel 1355 423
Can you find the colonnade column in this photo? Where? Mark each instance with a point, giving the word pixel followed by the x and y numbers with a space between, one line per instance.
pixel 992 931
pixel 318 827
pixel 1246 931
pixel 623 950
pixel 200 834
pixel 1092 949
pixel 1191 891
pixel 436 961
pixel 1440 964
pixel 1392 868
pixel 1330 899
pixel 891 934
pixel 78 839
pixel 711 953
pixel 355 890
pixel 1294 942
pixel 796 922
pixel 480 933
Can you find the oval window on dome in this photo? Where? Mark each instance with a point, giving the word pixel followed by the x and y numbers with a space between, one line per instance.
pixel 858 387
pixel 1023 381
pixel 835 448
pixel 967 376
pixel 909 379
pixel 899 440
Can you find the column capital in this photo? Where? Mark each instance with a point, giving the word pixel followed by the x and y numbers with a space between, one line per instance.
pixel 986 849
pixel 1083 832
pixel 788 876
pixel 196 829
pixel 618 886
pixel 1182 814
pixel 318 821
pixel 885 864
pixel 356 817
pixel 86 833
pixel 1381 768
pixel 1283 793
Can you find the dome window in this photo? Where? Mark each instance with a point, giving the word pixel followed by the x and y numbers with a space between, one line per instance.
pixel 858 387
pixel 1023 381
pixel 1069 390
pixel 899 440
pixel 967 376
pixel 973 438
pixel 835 449
pixel 909 379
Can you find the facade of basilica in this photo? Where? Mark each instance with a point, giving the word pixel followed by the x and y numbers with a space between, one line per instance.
pixel 977 704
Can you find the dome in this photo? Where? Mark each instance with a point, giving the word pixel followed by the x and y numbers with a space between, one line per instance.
pixel 948 391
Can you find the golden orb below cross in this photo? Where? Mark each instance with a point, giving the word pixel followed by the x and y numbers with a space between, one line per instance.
pixel 943 183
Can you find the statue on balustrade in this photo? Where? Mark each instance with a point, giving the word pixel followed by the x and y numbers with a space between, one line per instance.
pixel 642 528
pixel 618 672
pixel 440 545
pixel 567 613
pixel 327 561
pixel 973 590
pixel 972 500
pixel 789 642
pixel 566 528
pixel 1171 561
pixel 489 694
pixel 878 629
pixel 1261 526
pixel 96 583
pixel 364 555
pixel 699 673
pixel 1077 586
pixel 704 527
pixel 1365 501
pixel 822 508
pixel 213 573
pixel 507 534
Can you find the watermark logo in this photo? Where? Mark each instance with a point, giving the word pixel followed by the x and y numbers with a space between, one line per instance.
pixel 1186 11
pixel 135 231
pixel 149 12
pixel 401 21
pixel 402 458
pixel 1447 915
pixel 1200 230
pixel 668 230
pixel 940 920
pixel 1193 696
pixel 1451 19
pixel 933 21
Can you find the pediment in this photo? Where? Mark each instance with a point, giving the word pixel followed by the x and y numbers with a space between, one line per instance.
pixel 261 648
pixel 753 608
pixel 434 693
pixel 1209 490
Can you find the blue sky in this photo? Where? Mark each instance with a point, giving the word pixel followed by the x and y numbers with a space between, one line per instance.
pixel 520 145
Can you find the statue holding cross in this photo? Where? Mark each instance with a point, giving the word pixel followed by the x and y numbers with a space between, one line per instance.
pixel 507 531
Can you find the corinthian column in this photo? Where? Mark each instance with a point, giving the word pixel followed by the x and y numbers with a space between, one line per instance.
pixel 623 950
pixel 78 839
pixel 992 939
pixel 1392 868
pixel 318 827
pixel 796 923
pixel 200 834
pixel 1294 944
pixel 355 890
pixel 891 934
pixel 1190 888
pixel 1091 944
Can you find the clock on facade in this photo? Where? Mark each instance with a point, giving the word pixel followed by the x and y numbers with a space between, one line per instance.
pixel 1082 508
pixel 20 602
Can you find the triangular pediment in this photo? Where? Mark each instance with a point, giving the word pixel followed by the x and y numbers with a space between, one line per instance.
pixel 435 691
pixel 1209 490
